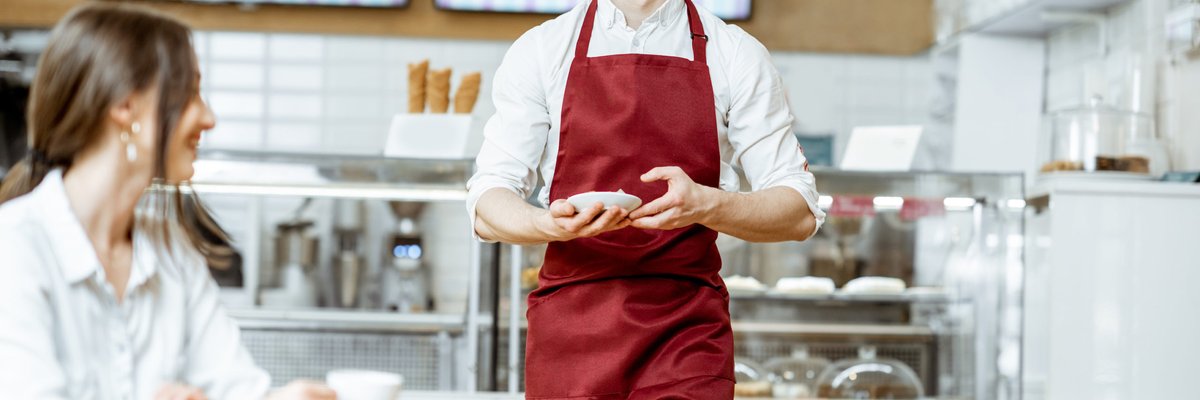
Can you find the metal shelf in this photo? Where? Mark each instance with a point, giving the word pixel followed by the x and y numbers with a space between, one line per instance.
pixel 334 190
pixel 838 297
pixel 314 175
pixel 345 320
pixel 781 328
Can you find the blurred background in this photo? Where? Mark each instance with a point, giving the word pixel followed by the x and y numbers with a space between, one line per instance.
pixel 1010 187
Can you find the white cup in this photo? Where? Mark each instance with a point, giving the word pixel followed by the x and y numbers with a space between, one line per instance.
pixel 352 384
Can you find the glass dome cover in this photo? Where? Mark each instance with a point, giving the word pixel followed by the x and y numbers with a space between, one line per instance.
pixel 868 377
pixel 1099 138
pixel 751 379
pixel 795 377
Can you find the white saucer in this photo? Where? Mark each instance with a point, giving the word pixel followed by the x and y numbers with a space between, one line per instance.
pixel 621 199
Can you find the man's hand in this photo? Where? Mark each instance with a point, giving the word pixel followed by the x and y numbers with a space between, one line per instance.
pixel 303 390
pixel 685 202
pixel 176 391
pixel 562 223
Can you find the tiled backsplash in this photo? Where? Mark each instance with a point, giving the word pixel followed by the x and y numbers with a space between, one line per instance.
pixel 320 93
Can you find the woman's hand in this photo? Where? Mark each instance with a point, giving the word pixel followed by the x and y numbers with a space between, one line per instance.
pixel 562 223
pixel 303 390
pixel 685 202
pixel 175 391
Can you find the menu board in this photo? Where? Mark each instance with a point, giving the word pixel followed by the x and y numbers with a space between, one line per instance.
pixel 726 9
pixel 342 3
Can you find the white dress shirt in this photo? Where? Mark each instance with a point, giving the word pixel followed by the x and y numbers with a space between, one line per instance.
pixel 753 118
pixel 64 334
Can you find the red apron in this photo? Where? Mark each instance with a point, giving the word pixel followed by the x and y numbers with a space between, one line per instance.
pixel 633 313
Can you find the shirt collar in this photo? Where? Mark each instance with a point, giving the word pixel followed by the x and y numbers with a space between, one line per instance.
pixel 666 13
pixel 71 245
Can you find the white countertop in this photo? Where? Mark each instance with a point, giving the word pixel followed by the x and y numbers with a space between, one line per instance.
pixel 1053 185
pixel 425 395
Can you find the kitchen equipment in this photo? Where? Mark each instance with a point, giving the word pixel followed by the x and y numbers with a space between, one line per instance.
pixel 289 282
pixel 751 379
pixel 618 198
pixel 348 263
pixel 795 377
pixel 869 377
pixel 1099 139
pixel 351 384
pixel 405 275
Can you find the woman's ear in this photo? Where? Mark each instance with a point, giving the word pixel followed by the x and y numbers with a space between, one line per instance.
pixel 131 108
pixel 122 112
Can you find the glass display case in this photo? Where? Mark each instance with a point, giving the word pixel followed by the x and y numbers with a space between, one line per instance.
pixel 351 262
pixel 912 287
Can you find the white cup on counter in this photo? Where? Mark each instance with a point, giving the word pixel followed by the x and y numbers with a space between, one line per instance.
pixel 353 384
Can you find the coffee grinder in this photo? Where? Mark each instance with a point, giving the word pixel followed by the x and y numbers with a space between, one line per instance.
pixel 405 273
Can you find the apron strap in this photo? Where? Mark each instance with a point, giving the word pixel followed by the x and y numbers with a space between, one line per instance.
pixel 585 31
pixel 699 39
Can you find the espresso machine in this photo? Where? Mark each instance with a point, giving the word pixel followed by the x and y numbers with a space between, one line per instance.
pixel 405 273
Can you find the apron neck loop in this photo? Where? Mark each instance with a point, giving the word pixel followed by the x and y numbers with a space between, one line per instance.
pixel 699 39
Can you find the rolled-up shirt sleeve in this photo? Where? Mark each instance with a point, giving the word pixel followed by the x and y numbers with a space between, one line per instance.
pixel 760 127
pixel 514 139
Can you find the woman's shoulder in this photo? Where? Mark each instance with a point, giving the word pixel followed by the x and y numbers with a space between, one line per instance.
pixel 22 240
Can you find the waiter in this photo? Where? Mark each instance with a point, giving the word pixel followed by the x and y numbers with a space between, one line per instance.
pixel 662 100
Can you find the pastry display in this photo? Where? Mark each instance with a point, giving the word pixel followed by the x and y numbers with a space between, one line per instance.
pixel 1136 164
pixel 805 285
pixel 744 283
pixel 437 90
pixel 1062 165
pixel 416 86
pixel 1099 138
pixel 874 285
pixel 467 93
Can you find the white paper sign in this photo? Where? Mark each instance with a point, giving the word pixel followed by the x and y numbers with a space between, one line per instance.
pixel 882 148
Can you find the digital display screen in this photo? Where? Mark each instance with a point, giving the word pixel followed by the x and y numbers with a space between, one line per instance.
pixel 729 10
pixel 336 3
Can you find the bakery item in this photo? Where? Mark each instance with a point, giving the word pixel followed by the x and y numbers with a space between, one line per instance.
pixel 437 90
pixel 805 285
pixel 416 86
pixel 1062 165
pixel 874 285
pixel 467 93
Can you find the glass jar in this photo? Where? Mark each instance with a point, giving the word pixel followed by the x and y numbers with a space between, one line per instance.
pixel 868 377
pixel 1099 139
pixel 795 377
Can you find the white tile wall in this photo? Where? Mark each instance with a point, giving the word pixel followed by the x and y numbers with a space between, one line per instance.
pixel 343 89
pixel 1078 67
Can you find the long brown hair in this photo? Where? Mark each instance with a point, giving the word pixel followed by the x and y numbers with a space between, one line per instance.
pixel 98 55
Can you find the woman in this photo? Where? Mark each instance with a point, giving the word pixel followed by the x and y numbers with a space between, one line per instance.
pixel 106 292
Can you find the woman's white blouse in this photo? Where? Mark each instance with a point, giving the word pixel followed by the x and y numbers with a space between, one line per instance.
pixel 64 334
